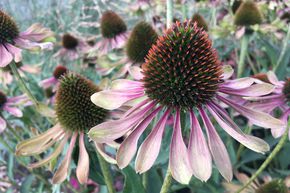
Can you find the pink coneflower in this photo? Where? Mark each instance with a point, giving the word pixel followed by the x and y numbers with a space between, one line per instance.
pixel 12 41
pixel 9 105
pixel 182 74
pixel 6 75
pixel 75 115
pixel 113 30
pixel 268 185
pixel 279 99
pixel 72 47
pixel 53 81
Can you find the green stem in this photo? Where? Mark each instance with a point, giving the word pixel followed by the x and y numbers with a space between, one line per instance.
pixel 184 10
pixel 167 182
pixel 145 180
pixel 169 13
pixel 269 159
pixel 106 172
pixel 10 128
pixel 243 54
pixel 283 52
pixel 22 84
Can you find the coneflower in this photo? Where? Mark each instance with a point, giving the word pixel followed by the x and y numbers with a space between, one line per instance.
pixel 114 32
pixel 248 14
pixel 236 5
pixel 72 47
pixel 200 21
pixel 279 99
pixel 75 115
pixel 12 41
pixel 141 39
pixel 9 105
pixel 182 74
pixel 53 81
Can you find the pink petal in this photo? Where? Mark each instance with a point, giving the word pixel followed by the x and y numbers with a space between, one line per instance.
pixel 251 91
pixel 112 99
pixel 273 78
pixel 2 124
pixel 217 148
pixel 122 84
pixel 232 129
pixel 199 153
pixel 83 167
pixel 256 117
pixel 49 82
pixel 136 72
pixel 149 150
pixel 16 52
pixel 30 69
pixel 227 72
pixel 5 56
pixel 13 111
pixel 238 83
pixel 178 159
pixel 101 149
pixel 61 173
pixel 122 71
pixel 111 130
pixel 17 99
pixel 36 32
pixel 128 147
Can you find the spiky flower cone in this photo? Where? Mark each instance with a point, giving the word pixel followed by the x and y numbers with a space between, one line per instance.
pixel 69 41
pixel 182 69
pixel 74 109
pixel 200 21
pixel 112 25
pixel 9 30
pixel 248 14
pixel 286 89
pixel 236 5
pixel 275 186
pixel 140 41
pixel 59 71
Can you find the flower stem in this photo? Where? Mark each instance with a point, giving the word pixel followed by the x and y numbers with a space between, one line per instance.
pixel 268 160
pixel 169 13
pixel 167 182
pixel 106 172
pixel 283 52
pixel 243 54
pixel 145 180
pixel 23 86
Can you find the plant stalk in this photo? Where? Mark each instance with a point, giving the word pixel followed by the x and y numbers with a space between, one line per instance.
pixel 167 182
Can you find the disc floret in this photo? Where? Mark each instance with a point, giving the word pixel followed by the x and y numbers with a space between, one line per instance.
pixel 286 89
pixel 9 29
pixel 59 71
pixel 69 41
pixel 3 99
pixel 182 69
pixel 247 14
pixel 74 109
pixel 112 25
pixel 200 21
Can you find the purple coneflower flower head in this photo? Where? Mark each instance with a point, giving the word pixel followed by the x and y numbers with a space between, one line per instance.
pixel 9 105
pixel 6 75
pixel 75 115
pixel 279 99
pixel 248 14
pixel 72 47
pixel 114 32
pixel 182 74
pixel 53 81
pixel 268 185
pixel 141 39
pixel 201 23
pixel 12 41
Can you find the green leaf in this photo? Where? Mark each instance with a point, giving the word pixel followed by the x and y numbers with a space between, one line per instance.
pixel 133 181
pixel 26 185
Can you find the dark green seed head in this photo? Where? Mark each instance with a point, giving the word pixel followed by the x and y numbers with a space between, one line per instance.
pixel 74 109
pixel 8 28
pixel 69 42
pixel 59 71
pixel 182 69
pixel 48 92
pixel 248 14
pixel 236 5
pixel 275 186
pixel 3 99
pixel 201 23
pixel 112 25
pixel 286 89
pixel 140 41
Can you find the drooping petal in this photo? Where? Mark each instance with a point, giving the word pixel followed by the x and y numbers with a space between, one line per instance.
pixel 16 52
pixel 251 91
pixel 232 129
pixel 30 69
pixel 5 56
pixel 128 147
pixel 199 153
pixel 83 167
pixel 36 32
pixel 2 124
pixel 13 111
pixel 46 83
pixel 112 99
pixel 273 78
pixel 121 84
pixel 228 71
pixel 178 159
pixel 217 148
pixel 136 72
pixel 111 130
pixel 256 117
pixel 52 156
pixel 101 149
pixel 238 83
pixel 61 173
